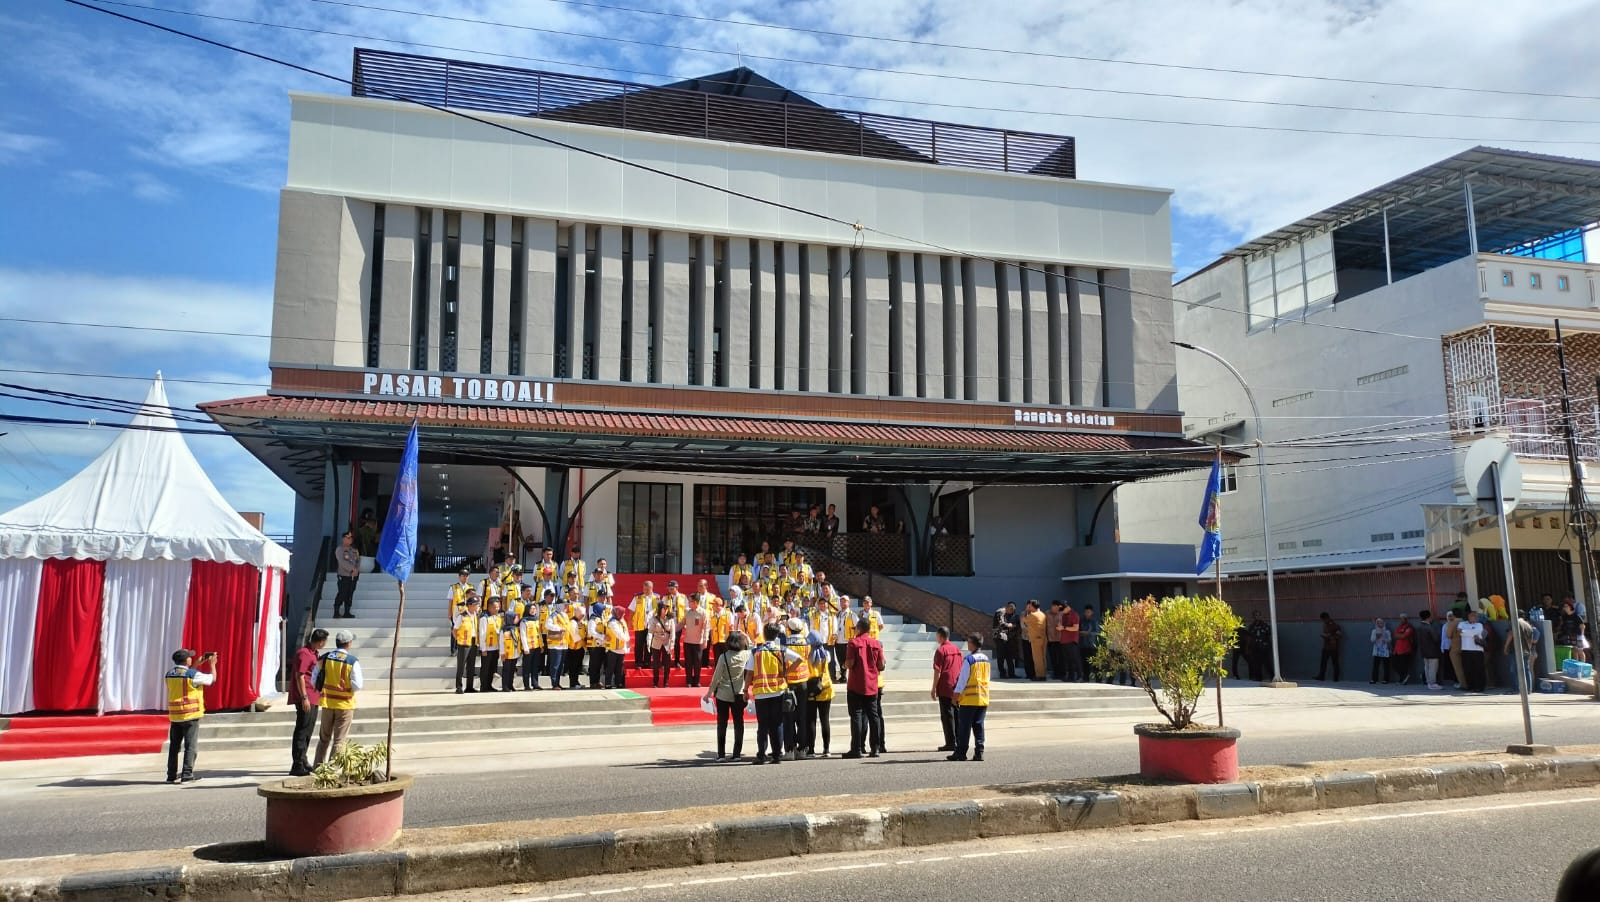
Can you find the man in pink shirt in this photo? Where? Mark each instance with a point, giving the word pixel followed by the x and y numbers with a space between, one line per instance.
pixel 863 662
pixel 304 696
pixel 946 668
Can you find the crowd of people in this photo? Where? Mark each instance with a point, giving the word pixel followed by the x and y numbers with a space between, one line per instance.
pixel 1056 644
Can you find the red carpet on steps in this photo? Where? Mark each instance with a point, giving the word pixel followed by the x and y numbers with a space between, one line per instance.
pixel 675 706
pixel 32 738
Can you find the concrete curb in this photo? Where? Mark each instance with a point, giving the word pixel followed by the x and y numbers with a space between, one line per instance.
pixel 546 859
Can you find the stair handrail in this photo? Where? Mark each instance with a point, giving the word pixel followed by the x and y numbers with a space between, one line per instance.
pixel 906 599
pixel 319 575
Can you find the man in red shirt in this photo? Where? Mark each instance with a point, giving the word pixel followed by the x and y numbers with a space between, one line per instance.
pixel 946 668
pixel 304 696
pixel 1073 660
pixel 863 662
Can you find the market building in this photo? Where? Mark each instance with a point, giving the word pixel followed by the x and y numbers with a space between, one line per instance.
pixel 1382 336
pixel 611 343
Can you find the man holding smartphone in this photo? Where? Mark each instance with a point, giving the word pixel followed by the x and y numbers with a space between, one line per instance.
pixel 186 705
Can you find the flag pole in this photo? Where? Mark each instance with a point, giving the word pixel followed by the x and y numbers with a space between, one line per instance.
pixel 394 653
pixel 1219 595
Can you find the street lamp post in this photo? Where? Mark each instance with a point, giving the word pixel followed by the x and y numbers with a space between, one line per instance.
pixel 1266 522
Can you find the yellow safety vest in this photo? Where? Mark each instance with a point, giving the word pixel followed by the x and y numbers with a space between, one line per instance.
pixel 751 625
pixel 976 693
pixel 532 630
pixel 185 700
pixel 640 610
pixel 797 672
pixel 767 674
pixel 576 635
pixel 847 626
pixel 545 571
pixel 742 570
pixel 556 629
pixel 458 598
pixel 338 670
pixel 872 618
pixel 679 602
pixel 571 567
pixel 819 672
pixel 492 625
pixel 510 645
pixel 720 626
pixel 466 629
pixel 617 637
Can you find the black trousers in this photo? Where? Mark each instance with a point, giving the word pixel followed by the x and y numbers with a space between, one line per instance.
pixel 866 731
pixel 693 662
pixel 1258 663
pixel 947 720
pixel 969 728
pixel 1071 661
pixel 1328 655
pixel 466 667
pixel 1006 659
pixel 1400 665
pixel 574 664
pixel 769 726
pixel 491 665
pixel 345 596
pixel 875 726
pixel 614 677
pixel 733 711
pixel 819 726
pixel 185 733
pixel 597 667
pixel 305 723
pixel 532 666
pixel 798 723
pixel 1472 663
pixel 1055 658
pixel 641 650
pixel 508 674
pixel 1027 661
pixel 661 666
pixel 1086 652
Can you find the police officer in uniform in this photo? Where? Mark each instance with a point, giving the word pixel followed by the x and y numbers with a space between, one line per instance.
pixel 186 704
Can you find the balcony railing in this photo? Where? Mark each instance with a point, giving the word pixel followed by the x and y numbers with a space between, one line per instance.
pixel 696 114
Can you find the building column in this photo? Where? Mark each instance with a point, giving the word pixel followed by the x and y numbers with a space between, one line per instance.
pixel 637 302
pixel 839 341
pixel 398 255
pixel 539 303
pixel 983 341
pixel 815 318
pixel 904 373
pixel 702 324
pixel 1084 359
pixel 1009 319
pixel 669 298
pixel 469 295
pixel 435 292
pixel 500 349
pixel 1059 338
pixel 872 311
pixel 763 316
pixel 1118 353
pixel 787 368
pixel 1036 337
pixel 953 281
pixel 608 305
pixel 930 337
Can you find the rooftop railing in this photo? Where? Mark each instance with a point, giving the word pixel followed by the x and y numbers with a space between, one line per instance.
pixel 696 114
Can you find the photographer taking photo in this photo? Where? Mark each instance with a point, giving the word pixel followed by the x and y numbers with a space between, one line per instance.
pixel 186 704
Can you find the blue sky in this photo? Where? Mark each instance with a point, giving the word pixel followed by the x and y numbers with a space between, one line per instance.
pixel 139 172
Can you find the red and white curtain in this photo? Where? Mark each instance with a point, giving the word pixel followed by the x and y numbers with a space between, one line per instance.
pixel 99 635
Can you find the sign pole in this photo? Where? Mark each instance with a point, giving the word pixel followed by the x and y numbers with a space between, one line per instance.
pixel 1511 602
pixel 1218 564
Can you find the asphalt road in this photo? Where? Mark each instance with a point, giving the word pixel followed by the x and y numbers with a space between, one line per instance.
pixel 1507 848
pixel 87 815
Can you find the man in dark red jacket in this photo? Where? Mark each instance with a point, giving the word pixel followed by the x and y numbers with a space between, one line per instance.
pixel 304 696
pixel 946 668
pixel 863 663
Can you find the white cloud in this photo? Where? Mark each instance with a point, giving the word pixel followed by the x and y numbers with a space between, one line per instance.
pixel 19 146
pixel 147 187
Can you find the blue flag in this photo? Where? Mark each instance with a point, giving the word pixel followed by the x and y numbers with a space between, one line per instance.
pixel 397 550
pixel 1211 520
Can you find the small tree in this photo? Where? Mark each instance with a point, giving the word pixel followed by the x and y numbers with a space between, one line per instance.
pixel 1170 646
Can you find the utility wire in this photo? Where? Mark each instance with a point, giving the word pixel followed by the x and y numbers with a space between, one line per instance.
pixel 304 29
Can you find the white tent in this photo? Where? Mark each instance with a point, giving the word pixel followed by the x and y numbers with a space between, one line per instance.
pixel 133 557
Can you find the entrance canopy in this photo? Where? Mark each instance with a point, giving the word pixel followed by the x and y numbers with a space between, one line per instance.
pixel 552 423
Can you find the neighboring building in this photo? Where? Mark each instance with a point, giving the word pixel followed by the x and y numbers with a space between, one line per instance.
pixel 1412 319
pixel 667 373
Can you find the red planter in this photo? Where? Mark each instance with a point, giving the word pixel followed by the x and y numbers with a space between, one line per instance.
pixel 1189 756
pixel 303 820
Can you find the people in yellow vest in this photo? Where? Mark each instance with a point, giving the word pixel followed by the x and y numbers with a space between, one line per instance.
pixel 766 563
pixel 798 673
pixel 490 625
pixel 679 603
pixel 872 615
pixel 663 629
pixel 464 636
pixel 488 588
pixel 456 600
pixel 819 694
pixel 510 651
pixel 577 639
pixel 599 622
pixel 573 566
pixel 639 611
pixel 972 695
pixel 823 617
pixel 846 632
pixel 766 680
pixel 790 556
pixel 741 574
pixel 617 638
pixel 530 638
pixel 557 627
pixel 338 678
pixel 601 579
pixel 186 704
pixel 721 626
pixel 547 573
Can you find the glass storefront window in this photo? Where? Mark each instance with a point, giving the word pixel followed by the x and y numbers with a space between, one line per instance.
pixel 649 527
pixel 730 520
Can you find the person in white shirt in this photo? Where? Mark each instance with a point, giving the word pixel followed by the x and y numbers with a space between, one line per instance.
pixel 1471 635
pixel 663 629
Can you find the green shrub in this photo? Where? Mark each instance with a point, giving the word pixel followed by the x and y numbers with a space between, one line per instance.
pixel 1170 646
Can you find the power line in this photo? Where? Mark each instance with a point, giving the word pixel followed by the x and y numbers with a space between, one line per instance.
pixel 878 99
pixel 1040 54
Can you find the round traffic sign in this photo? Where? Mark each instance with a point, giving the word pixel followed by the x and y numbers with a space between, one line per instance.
pixel 1482 458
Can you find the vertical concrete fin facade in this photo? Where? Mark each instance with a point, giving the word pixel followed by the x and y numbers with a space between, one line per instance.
pixel 955 328
pixel 399 286
pixel 786 258
pixel 1117 321
pixel 435 300
pixel 669 287
pixel 930 340
pixel 702 308
pixel 1059 339
pixel 637 301
pixel 1084 361
pixel 764 324
pixel 904 373
pixel 539 307
pixel 838 321
pixel 577 295
pixel 875 312
pixel 470 301
pixel 1036 337
pixel 607 328
pixel 984 339
pixel 815 317
pixel 500 347
pixel 738 290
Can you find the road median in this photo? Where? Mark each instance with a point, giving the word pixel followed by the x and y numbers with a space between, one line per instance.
pixel 524 852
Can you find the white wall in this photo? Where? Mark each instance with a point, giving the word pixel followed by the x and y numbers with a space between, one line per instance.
pixel 382 150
